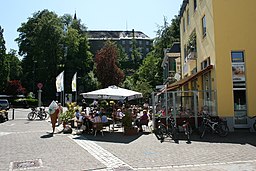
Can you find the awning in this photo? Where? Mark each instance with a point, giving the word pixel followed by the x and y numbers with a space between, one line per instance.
pixel 187 79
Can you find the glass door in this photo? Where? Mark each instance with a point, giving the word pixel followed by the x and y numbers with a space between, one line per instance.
pixel 240 108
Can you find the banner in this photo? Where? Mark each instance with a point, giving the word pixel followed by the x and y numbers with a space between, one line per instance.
pixel 74 83
pixel 60 82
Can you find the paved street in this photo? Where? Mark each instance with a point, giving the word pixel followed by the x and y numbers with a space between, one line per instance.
pixel 27 145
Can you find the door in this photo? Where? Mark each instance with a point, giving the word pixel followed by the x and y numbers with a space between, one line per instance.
pixel 240 108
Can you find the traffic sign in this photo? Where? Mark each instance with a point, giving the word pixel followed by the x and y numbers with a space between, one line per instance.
pixel 40 85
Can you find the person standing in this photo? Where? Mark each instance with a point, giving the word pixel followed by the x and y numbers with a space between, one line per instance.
pixel 60 111
pixel 53 110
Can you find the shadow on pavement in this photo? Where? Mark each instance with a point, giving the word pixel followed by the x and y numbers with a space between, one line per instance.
pixel 48 135
pixel 113 137
pixel 232 137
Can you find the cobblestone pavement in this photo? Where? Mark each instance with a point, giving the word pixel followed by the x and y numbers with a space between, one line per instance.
pixel 23 142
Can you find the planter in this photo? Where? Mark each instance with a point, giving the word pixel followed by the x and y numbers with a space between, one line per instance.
pixel 130 131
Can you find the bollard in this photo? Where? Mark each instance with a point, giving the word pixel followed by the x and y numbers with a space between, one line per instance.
pixel 13 114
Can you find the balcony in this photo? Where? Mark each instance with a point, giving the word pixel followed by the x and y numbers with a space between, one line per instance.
pixel 192 55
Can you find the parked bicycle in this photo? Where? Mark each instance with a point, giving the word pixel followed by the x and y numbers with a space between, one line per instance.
pixel 166 130
pixel 41 114
pixel 215 125
pixel 187 129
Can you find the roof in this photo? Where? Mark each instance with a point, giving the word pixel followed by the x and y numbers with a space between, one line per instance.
pixel 116 34
pixel 183 7
pixel 174 49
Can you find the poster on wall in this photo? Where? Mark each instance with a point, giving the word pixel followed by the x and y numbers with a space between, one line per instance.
pixel 238 72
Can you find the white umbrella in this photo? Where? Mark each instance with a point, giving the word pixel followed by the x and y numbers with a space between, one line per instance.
pixel 113 93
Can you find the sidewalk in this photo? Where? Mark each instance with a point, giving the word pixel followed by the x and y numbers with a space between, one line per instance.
pixel 26 144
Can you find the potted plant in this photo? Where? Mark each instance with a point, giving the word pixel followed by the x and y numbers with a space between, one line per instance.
pixel 68 115
pixel 129 129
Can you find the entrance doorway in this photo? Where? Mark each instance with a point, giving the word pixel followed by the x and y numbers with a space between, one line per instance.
pixel 240 108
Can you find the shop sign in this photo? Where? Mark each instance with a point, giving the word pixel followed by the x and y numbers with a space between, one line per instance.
pixel 238 72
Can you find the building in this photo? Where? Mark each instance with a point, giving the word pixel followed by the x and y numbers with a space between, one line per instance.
pixel 122 38
pixel 218 56
pixel 217 61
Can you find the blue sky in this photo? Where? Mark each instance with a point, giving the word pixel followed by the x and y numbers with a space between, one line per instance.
pixel 141 15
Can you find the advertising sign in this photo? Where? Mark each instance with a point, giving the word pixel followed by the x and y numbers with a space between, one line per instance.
pixel 238 72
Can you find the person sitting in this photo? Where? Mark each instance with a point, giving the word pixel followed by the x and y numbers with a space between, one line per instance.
pixel 104 118
pixel 119 114
pixel 143 120
pixel 77 113
pixel 97 118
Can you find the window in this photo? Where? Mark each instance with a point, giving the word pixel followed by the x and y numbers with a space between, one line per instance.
pixel 188 19
pixel 237 56
pixel 195 5
pixel 204 26
pixel 205 63
pixel 184 25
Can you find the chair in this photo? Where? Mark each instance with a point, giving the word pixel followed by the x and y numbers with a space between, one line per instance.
pixel 98 127
pixel 107 124
pixel 145 123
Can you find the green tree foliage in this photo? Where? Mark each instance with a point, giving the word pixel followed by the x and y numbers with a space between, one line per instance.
pixel 150 72
pixel 4 65
pixel 15 65
pixel 107 70
pixel 39 41
pixel 50 44
pixel 166 35
pixel 78 58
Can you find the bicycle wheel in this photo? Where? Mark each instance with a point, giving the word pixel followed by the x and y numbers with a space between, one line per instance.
pixel 202 130
pixel 254 126
pixel 162 132
pixel 45 115
pixel 188 131
pixel 31 116
pixel 174 134
pixel 222 129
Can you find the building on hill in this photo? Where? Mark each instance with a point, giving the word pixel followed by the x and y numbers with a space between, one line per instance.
pixel 122 38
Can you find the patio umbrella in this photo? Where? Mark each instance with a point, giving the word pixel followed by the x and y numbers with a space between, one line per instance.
pixel 113 93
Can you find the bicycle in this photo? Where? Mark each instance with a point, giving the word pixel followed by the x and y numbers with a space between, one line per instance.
pixel 215 125
pixel 187 129
pixel 166 130
pixel 254 124
pixel 185 123
pixel 41 114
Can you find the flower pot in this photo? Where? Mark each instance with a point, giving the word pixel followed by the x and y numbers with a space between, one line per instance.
pixel 130 131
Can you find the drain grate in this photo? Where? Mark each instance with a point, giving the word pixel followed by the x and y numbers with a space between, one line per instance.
pixel 20 165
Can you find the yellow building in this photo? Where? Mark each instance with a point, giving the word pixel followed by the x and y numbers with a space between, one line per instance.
pixel 218 55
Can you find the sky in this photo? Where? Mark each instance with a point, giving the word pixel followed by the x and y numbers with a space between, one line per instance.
pixel 140 15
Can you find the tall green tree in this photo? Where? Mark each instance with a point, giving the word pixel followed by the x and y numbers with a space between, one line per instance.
pixel 150 72
pixel 4 65
pixel 39 42
pixel 78 58
pixel 107 70
pixel 15 65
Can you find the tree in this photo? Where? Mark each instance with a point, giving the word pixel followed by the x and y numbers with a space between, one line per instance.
pixel 4 65
pixel 150 72
pixel 39 42
pixel 107 70
pixel 78 58
pixel 15 65
pixel 14 87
